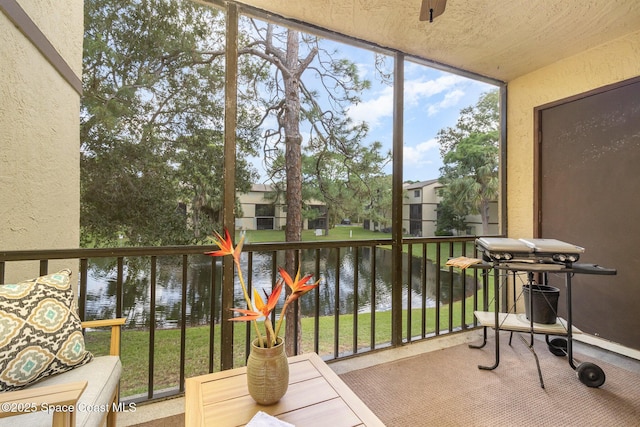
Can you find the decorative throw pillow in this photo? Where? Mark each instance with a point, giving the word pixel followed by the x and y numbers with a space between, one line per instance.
pixel 40 333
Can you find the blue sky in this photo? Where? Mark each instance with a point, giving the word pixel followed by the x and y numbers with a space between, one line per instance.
pixel 433 100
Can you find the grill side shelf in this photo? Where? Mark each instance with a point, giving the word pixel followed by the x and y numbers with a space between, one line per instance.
pixel 518 322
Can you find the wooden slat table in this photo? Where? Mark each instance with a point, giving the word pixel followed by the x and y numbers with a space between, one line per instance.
pixel 316 397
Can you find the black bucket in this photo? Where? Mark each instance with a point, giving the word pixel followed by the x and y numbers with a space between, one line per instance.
pixel 545 303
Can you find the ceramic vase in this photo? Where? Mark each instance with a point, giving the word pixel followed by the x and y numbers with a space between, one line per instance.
pixel 267 372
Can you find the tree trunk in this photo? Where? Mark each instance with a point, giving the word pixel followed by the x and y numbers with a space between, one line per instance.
pixel 484 214
pixel 293 168
pixel 326 221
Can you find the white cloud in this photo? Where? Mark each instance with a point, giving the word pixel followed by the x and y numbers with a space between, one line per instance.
pixel 417 91
pixel 450 99
pixel 419 154
pixel 373 110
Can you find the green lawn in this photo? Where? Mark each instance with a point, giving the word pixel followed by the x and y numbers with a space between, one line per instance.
pixel 346 233
pixel 339 233
pixel 135 344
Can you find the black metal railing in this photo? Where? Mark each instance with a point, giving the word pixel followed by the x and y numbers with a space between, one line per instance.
pixel 349 314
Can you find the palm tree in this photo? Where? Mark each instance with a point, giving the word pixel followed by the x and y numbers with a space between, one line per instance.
pixel 470 175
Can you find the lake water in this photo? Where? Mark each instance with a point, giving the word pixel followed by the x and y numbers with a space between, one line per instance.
pixel 101 286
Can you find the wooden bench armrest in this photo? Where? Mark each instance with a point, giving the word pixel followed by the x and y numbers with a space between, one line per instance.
pixel 115 324
pixel 60 399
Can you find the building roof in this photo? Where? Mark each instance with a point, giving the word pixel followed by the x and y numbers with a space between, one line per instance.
pixel 261 188
pixel 421 184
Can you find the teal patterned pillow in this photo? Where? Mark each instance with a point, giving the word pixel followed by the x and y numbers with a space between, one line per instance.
pixel 40 333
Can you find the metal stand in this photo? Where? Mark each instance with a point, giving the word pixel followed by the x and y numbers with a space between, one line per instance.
pixel 588 373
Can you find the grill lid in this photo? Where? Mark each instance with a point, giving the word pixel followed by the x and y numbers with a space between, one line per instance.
pixel 552 246
pixel 528 250
pixel 503 244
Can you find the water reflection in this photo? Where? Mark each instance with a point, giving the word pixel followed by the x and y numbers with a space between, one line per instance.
pixel 337 274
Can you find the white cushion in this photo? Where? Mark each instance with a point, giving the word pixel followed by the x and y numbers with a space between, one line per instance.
pixel 103 376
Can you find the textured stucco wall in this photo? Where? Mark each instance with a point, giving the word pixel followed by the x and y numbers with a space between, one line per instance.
pixel 606 64
pixel 39 137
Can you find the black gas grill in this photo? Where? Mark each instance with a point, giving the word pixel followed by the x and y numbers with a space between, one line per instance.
pixel 510 257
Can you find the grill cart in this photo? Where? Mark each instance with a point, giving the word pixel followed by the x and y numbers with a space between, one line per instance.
pixel 531 258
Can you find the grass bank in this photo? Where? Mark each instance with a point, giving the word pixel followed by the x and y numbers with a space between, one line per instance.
pixel 340 233
pixel 166 352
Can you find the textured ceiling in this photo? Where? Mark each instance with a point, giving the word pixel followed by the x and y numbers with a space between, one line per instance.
pixel 499 39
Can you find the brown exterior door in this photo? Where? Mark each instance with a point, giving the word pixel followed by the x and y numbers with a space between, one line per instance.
pixel 588 193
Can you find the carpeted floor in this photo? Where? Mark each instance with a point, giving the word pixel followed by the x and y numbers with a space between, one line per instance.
pixel 446 388
pixel 172 421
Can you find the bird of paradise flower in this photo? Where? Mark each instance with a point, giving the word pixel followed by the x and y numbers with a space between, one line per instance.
pixel 298 286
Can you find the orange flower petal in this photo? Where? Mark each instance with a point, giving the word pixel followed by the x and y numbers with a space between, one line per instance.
pixel 275 296
pixel 225 245
pixel 259 302
pixel 249 315
pixel 298 286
